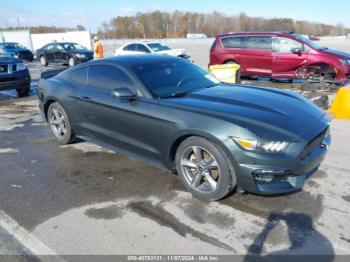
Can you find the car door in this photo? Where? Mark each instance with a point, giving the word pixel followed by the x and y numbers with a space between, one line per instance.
pixel 60 54
pixel 256 55
pixel 288 55
pixel 122 122
pixel 49 52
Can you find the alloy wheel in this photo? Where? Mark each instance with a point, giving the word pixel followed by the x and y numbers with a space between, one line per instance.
pixel 201 169
pixel 58 123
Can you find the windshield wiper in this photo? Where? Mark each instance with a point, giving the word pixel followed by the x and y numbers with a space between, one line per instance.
pixel 176 94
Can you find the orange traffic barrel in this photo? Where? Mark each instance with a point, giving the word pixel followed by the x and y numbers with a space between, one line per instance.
pixel 340 108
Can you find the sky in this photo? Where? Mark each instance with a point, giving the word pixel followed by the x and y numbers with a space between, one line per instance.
pixel 91 13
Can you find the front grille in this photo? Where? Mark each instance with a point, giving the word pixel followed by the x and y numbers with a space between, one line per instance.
pixel 7 68
pixel 313 144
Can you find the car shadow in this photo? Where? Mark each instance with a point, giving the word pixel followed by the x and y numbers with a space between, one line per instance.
pixel 306 243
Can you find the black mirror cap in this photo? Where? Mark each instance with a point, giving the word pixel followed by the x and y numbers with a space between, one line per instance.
pixel 122 92
pixel 297 51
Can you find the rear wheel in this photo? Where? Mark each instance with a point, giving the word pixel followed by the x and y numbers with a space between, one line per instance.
pixel 231 62
pixel 238 72
pixel 59 124
pixel 204 169
pixel 43 61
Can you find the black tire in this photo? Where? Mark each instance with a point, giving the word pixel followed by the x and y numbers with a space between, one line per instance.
pixel 238 76
pixel 43 60
pixel 231 62
pixel 225 181
pixel 23 90
pixel 66 137
pixel 238 73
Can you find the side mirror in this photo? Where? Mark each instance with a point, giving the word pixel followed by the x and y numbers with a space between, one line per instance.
pixel 298 51
pixel 122 92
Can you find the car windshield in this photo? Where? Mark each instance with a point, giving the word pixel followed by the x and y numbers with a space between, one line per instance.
pixel 73 46
pixel 11 45
pixel 156 47
pixel 173 77
pixel 309 42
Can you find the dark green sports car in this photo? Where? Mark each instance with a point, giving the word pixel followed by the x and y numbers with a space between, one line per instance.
pixel 171 113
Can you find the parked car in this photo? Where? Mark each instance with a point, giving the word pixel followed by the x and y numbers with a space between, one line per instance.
pixel 64 53
pixel 151 48
pixel 14 74
pixel 280 55
pixel 314 38
pixel 17 50
pixel 172 113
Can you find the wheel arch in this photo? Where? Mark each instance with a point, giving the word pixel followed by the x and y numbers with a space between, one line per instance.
pixel 47 105
pixel 231 60
pixel 190 133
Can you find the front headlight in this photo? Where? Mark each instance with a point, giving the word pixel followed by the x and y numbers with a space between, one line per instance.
pixel 345 61
pixel 21 67
pixel 264 147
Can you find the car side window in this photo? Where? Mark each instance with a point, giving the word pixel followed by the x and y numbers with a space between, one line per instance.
pixel 142 48
pixel 59 48
pixel 50 47
pixel 79 76
pixel 285 45
pixel 258 42
pixel 107 77
pixel 232 42
pixel 131 47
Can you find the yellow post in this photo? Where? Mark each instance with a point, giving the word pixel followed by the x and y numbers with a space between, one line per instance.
pixel 225 73
pixel 340 108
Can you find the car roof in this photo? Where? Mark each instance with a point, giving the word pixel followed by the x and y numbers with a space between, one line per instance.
pixel 290 34
pixel 2 43
pixel 142 42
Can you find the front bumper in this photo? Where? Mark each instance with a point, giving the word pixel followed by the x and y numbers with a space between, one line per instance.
pixel 343 73
pixel 83 59
pixel 15 80
pixel 285 172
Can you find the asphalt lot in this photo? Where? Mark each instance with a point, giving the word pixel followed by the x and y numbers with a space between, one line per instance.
pixel 82 199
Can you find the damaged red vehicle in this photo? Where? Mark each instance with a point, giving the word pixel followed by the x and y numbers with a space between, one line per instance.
pixel 280 56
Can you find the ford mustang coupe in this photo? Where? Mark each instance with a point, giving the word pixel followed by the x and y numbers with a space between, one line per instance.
pixel 171 113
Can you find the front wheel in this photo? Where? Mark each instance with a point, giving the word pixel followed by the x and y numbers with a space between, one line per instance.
pixel 24 90
pixel 71 62
pixel 59 124
pixel 204 169
pixel 43 61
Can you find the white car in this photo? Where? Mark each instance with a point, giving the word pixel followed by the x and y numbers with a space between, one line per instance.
pixel 149 47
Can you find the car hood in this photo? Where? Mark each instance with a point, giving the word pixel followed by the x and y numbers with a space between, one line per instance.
pixel 337 53
pixel 256 108
pixel 172 52
pixel 9 60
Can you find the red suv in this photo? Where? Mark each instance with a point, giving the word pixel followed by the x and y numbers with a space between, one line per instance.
pixel 280 55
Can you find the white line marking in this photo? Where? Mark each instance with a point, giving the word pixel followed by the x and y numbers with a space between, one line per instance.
pixel 29 241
